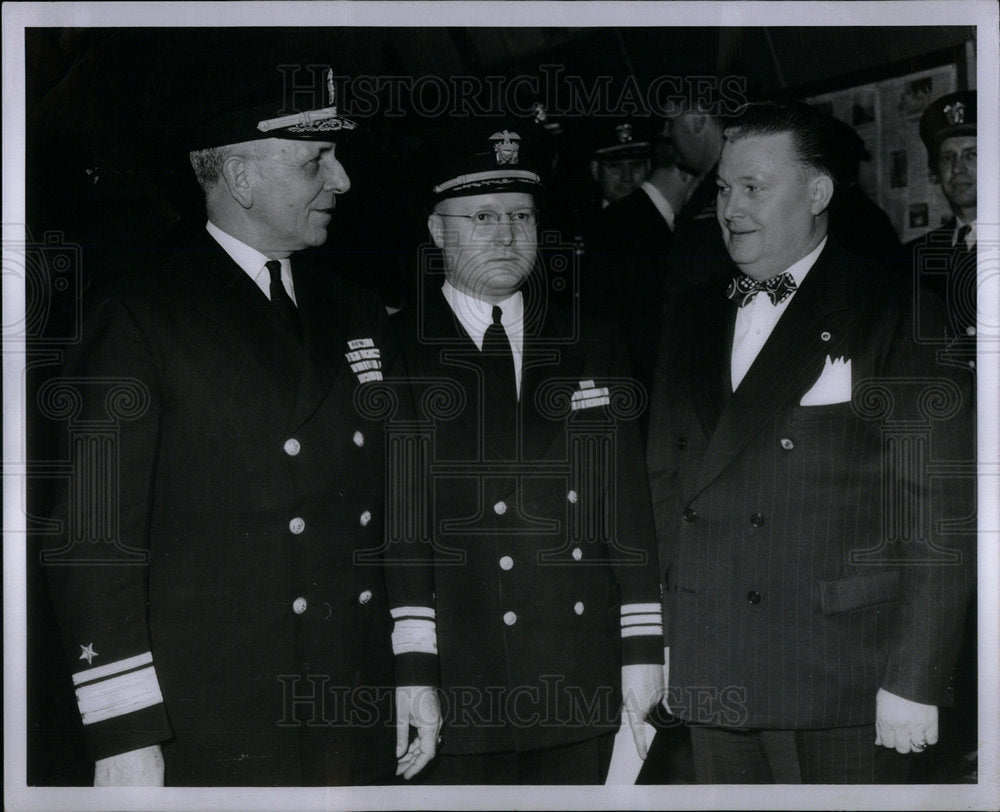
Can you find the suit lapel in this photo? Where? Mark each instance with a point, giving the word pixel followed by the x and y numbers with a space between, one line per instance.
pixel 817 323
pixel 712 343
pixel 324 319
pixel 228 297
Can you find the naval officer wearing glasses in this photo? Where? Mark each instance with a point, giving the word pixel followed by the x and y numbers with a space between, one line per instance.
pixel 545 572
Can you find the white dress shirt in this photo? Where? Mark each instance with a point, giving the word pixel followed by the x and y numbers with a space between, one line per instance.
pixel 475 316
pixel 755 320
pixel 253 261
pixel 662 204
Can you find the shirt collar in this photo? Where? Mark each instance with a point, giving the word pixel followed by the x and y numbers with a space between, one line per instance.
pixel 662 204
pixel 475 315
pixel 251 260
pixel 799 269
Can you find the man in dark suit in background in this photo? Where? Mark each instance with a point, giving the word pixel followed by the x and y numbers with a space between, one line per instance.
pixel 812 607
pixel 545 564
pixel 241 618
pixel 628 270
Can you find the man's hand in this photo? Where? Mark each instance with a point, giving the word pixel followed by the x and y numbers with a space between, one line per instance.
pixel 416 705
pixel 903 724
pixel 136 768
pixel 642 688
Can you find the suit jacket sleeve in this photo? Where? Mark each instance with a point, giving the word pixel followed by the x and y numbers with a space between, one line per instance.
pixel 938 575
pixel 97 567
pixel 660 462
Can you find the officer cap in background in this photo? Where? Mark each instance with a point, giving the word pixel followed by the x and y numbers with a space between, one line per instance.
pixel 615 140
pixel 263 113
pixel 488 157
pixel 951 115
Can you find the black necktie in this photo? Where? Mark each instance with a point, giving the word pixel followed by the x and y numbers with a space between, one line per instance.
pixel 963 236
pixel 499 389
pixel 778 288
pixel 281 300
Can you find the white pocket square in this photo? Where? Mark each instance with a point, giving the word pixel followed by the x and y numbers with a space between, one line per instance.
pixel 833 386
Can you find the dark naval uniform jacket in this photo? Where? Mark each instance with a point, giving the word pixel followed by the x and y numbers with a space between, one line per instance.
pixel 224 582
pixel 812 553
pixel 545 565
pixel 947 268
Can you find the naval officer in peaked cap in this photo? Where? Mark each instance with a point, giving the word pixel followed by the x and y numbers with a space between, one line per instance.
pixel 545 568
pixel 244 619
pixel 944 259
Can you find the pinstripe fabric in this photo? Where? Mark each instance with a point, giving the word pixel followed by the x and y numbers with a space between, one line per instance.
pixel 803 568
pixel 843 755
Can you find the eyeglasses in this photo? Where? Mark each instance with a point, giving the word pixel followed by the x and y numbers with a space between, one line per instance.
pixel 486 218
pixel 966 156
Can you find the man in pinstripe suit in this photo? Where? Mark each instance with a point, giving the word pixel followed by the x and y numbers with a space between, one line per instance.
pixel 812 605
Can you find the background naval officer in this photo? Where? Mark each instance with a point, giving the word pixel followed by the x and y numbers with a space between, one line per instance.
pixel 944 259
pixel 241 621
pixel 545 571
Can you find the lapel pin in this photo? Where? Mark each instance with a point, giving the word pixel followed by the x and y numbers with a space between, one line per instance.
pixel 824 336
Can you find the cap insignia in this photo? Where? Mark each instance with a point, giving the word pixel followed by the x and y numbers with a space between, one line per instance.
pixel 955 113
pixel 506 145
pixel 624 133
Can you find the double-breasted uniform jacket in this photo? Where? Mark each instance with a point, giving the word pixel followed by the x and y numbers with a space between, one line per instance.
pixel 811 554
pixel 223 585
pixel 545 570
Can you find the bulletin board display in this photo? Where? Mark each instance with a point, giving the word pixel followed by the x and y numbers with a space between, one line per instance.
pixel 886 115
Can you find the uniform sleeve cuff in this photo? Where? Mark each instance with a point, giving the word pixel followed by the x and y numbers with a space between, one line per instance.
pixel 642 620
pixel 116 689
pixel 642 633
pixel 414 631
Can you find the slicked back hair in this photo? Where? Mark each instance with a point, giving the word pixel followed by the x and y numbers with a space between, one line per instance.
pixel 813 137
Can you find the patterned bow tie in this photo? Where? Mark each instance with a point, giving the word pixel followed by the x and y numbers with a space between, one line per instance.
pixel 778 288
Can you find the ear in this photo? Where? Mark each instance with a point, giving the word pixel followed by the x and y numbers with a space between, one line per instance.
pixel 236 174
pixel 435 225
pixel 593 170
pixel 820 193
